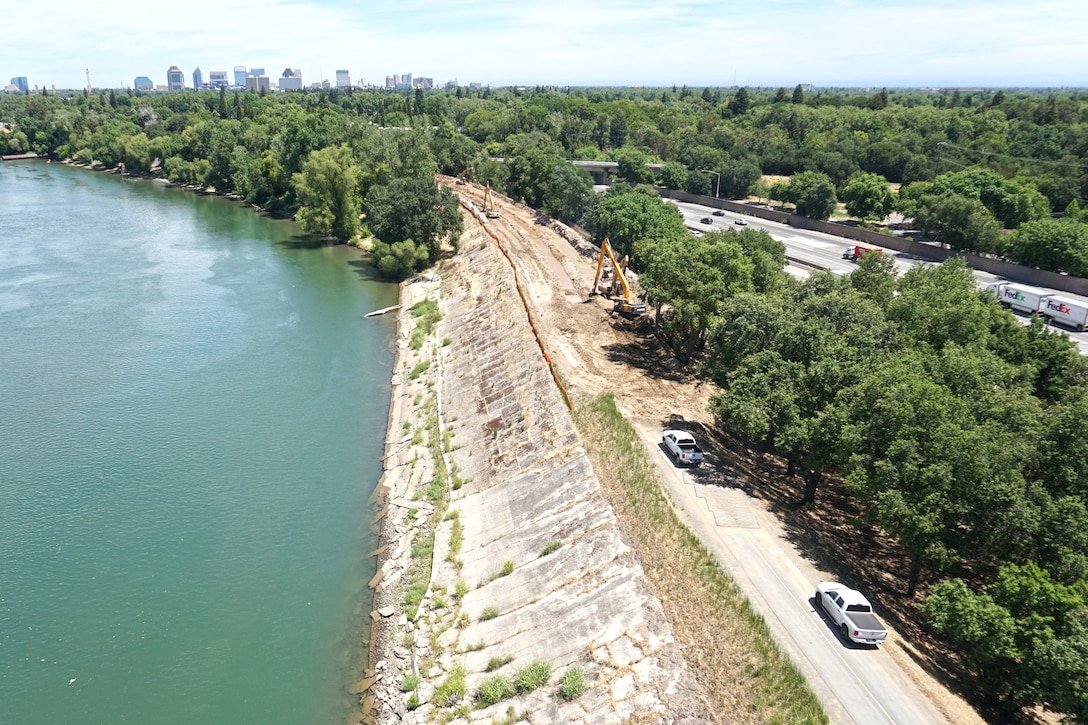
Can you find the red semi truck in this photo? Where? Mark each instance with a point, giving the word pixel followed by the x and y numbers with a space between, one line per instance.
pixel 854 253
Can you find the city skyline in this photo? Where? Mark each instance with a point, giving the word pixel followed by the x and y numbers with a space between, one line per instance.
pixel 715 43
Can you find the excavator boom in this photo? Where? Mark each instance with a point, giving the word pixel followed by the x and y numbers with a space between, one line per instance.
pixel 489 204
pixel 626 305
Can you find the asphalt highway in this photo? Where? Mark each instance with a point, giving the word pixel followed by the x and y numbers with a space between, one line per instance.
pixel 808 250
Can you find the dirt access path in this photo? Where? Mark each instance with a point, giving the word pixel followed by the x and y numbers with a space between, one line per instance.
pixel 595 352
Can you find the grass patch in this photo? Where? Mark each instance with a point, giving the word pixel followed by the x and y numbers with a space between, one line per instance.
pixel 452 689
pixel 507 570
pixel 511 717
pixel 573 685
pixel 427 316
pixel 495 689
pixel 738 662
pixel 413 702
pixel 533 676
pixel 550 547
pixel 489 613
pixel 457 538
pixel 411 682
pixel 476 646
pixel 460 589
pixel 415 593
pixel 496 662
pixel 419 369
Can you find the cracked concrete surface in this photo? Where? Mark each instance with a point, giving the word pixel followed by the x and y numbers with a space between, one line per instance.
pixel 540 547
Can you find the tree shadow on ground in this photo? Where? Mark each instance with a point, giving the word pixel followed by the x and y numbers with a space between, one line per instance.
pixel 837 536
pixel 645 353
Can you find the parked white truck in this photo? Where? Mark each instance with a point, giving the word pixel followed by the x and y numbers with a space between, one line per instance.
pixel 851 613
pixel 682 447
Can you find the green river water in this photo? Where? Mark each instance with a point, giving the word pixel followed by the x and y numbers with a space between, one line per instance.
pixel 192 414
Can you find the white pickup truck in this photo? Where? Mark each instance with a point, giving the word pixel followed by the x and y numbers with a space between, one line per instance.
pixel 851 612
pixel 682 447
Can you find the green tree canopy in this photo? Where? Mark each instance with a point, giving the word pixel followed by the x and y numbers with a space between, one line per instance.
pixel 813 194
pixel 327 190
pixel 867 196
pixel 412 208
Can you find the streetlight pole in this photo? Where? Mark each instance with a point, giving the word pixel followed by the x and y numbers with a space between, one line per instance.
pixel 717 181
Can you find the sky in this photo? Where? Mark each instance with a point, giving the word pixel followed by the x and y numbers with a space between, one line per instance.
pixel 716 43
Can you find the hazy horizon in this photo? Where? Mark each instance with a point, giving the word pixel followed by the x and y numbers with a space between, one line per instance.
pixel 716 43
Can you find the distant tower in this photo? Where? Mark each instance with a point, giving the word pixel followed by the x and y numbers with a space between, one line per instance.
pixel 88 72
pixel 198 79
pixel 175 79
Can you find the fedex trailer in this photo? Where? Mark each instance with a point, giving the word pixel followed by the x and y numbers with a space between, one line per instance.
pixel 1065 310
pixel 1021 297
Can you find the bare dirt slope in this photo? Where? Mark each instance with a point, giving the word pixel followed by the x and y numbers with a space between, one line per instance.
pixel 595 352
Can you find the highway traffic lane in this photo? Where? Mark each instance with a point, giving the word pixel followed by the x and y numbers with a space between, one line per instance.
pixel 824 251
pixel 854 683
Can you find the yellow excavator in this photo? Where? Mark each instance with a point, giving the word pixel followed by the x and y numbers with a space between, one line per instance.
pixel 489 204
pixel 465 176
pixel 611 279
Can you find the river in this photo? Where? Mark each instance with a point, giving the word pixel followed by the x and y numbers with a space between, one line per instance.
pixel 192 414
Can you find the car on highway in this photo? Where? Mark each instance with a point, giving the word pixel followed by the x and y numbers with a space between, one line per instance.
pixel 706 220
pixel 719 212
pixel 740 222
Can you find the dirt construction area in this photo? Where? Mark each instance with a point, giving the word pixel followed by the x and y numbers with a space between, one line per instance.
pixel 739 503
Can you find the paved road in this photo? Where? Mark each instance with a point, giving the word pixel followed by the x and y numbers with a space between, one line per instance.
pixel 855 683
pixel 806 250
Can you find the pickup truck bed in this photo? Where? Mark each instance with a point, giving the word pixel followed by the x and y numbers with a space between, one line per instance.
pixel 682 447
pixel 850 612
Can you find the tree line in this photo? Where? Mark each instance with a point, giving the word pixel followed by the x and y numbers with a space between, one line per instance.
pixel 995 172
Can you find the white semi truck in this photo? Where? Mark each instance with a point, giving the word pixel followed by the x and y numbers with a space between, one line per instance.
pixel 1021 297
pixel 1066 311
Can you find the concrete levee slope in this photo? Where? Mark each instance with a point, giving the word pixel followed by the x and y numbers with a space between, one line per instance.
pixel 529 562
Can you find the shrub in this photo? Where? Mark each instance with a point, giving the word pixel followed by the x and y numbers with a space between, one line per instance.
pixel 411 682
pixel 489 613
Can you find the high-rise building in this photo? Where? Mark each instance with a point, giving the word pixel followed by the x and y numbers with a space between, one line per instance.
pixel 405 81
pixel 143 83
pixel 21 83
pixel 258 83
pixel 343 79
pixel 198 79
pixel 218 79
pixel 240 76
pixel 257 72
pixel 175 79
pixel 422 82
pixel 392 81
pixel 291 80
